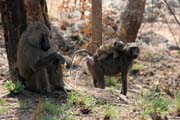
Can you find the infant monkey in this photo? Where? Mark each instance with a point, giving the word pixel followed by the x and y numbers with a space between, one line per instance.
pixel 104 51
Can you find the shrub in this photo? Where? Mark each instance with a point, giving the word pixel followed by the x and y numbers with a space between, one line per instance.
pixel 14 88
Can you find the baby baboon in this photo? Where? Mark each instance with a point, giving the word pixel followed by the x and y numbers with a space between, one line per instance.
pixel 105 51
pixel 111 66
pixel 35 58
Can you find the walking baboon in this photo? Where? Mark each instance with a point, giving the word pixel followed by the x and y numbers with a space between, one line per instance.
pixel 111 66
pixel 37 63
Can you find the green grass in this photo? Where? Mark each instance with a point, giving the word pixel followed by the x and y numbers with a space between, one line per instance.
pixel 14 88
pixel 52 109
pixel 24 104
pixel 111 82
pixel 47 110
pixel 153 57
pixel 77 99
pixel 178 53
pixel 62 111
pixel 136 68
pixel 112 89
pixel 178 103
pixel 73 98
pixel 2 109
pixel 110 112
pixel 2 102
pixel 48 118
pixel 153 101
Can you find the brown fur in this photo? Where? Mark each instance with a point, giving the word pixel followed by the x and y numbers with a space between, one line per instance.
pixel 37 63
pixel 105 51
pixel 111 66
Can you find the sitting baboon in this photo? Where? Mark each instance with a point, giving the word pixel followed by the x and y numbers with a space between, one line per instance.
pixel 105 51
pixel 37 63
pixel 111 66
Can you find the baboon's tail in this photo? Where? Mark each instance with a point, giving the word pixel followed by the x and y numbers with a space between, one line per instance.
pixel 77 52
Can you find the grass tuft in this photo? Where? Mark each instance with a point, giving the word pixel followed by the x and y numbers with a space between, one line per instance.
pixel 136 68
pixel 111 82
pixel 153 57
pixel 81 100
pixel 2 102
pixel 110 112
pixel 178 104
pixel 50 111
pixel 153 102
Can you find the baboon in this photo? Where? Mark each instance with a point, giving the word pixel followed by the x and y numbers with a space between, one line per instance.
pixel 111 66
pixel 37 63
pixel 105 51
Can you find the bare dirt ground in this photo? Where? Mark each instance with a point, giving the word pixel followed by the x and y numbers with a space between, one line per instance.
pixel 162 70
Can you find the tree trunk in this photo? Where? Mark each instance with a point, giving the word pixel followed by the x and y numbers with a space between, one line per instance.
pixel 16 14
pixel 96 22
pixel 14 23
pixel 131 20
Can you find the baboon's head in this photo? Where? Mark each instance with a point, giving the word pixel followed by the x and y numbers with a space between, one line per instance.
pixel 119 45
pixel 39 36
pixel 132 50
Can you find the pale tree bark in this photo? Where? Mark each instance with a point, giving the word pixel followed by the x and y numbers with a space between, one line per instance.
pixel 131 20
pixel 16 14
pixel 96 22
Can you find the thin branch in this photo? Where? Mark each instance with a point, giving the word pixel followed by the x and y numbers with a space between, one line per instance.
pixel 169 28
pixel 169 8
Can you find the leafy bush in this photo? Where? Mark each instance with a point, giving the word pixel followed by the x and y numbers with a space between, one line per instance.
pixel 14 88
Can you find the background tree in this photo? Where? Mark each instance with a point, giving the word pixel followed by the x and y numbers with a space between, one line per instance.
pixel 131 20
pixel 16 14
pixel 96 22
